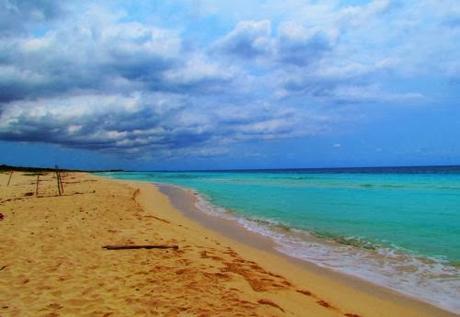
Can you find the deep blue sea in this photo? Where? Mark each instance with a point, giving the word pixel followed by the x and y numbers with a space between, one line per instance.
pixel 399 227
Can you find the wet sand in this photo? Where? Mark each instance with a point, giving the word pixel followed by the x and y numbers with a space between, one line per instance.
pixel 52 262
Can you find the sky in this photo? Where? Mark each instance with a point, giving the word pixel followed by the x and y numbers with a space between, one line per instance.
pixel 201 84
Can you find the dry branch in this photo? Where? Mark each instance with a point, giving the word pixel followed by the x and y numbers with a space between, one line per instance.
pixel 147 246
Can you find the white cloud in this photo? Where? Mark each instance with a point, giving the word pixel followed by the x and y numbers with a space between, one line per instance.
pixel 249 39
pixel 88 76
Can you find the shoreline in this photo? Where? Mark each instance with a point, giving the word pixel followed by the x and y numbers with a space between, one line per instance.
pixel 230 228
pixel 52 261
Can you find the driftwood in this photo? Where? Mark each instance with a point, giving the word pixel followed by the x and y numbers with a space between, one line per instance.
pixel 147 246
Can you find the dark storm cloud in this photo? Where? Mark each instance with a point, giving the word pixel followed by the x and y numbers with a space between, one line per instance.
pixel 129 124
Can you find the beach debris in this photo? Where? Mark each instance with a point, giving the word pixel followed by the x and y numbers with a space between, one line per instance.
pixel 146 246
pixel 2 216
pixel 3 267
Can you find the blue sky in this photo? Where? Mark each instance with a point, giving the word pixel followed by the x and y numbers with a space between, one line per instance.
pixel 199 84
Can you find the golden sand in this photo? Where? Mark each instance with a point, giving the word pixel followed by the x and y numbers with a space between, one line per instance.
pixel 52 262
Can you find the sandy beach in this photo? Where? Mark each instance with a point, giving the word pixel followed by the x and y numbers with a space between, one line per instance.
pixel 52 262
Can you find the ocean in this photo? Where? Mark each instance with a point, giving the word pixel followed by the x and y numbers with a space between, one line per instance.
pixel 396 227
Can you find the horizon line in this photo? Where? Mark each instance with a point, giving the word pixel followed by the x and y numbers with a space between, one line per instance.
pixel 6 166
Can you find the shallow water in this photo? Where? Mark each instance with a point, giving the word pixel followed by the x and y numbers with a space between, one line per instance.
pixel 398 228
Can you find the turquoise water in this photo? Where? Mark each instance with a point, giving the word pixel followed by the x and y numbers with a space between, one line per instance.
pixel 395 221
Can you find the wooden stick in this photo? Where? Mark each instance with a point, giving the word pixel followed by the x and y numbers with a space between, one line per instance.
pixel 36 185
pixel 148 246
pixel 58 182
pixel 9 179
